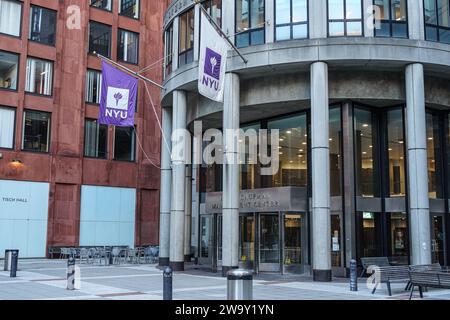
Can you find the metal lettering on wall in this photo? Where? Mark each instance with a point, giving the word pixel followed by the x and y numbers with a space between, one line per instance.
pixel 175 9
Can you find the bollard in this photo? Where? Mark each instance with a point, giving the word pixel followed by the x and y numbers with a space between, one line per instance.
pixel 240 285
pixel 7 265
pixel 353 276
pixel 71 273
pixel 167 283
pixel 14 263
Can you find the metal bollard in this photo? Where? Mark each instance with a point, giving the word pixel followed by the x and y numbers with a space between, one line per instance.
pixel 353 276
pixel 240 284
pixel 167 283
pixel 14 263
pixel 71 273
pixel 7 265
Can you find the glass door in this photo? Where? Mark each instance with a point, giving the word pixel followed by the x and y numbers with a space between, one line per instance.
pixel 206 254
pixel 438 238
pixel 336 241
pixel 269 243
pixel 247 241
pixel 292 247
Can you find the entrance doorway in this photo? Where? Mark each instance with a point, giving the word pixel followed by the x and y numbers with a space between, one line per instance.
pixel 438 238
pixel 337 255
pixel 292 250
pixel 269 242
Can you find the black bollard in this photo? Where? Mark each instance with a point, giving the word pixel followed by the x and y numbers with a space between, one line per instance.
pixel 167 283
pixel 71 273
pixel 353 276
pixel 14 263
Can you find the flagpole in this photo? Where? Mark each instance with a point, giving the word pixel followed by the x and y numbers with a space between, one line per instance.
pixel 134 73
pixel 218 29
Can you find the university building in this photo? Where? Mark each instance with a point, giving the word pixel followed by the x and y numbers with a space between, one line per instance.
pixel 65 180
pixel 360 92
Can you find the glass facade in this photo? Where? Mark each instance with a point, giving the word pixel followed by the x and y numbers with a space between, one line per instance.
pixel 36 131
pixel 42 25
pixel 434 151
pixel 437 20
pixel 250 168
pixel 345 18
pixel 186 38
pixel 396 153
pixel 335 151
pixel 392 19
pixel 250 22
pixel 291 19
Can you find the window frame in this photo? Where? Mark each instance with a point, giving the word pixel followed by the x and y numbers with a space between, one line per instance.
pixel 138 36
pixel 56 25
pixel 436 27
pixel 111 2
pixel 291 24
pixel 18 72
pixel 21 20
pixel 392 22
pixel 14 109
pixel 85 87
pixel 84 140
pixel 49 134
pixel 183 55
pixel 250 29
pixel 124 15
pixel 53 78
pixel 89 37
pixel 345 21
pixel 134 132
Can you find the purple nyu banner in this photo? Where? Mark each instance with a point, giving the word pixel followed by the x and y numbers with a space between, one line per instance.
pixel 118 100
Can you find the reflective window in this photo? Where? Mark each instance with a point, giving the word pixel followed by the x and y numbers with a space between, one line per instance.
pixel 39 76
pixel 250 23
pixel 129 8
pixel 437 20
pixel 125 144
pixel 186 38
pixel 42 25
pixel 291 19
pixel 398 238
pixel 10 17
pixel 93 86
pixel 250 170
pixel 95 139
pixel 102 4
pixel 36 131
pixel 434 157
pixel 392 21
pixel 365 154
pixel 369 242
pixel 396 153
pixel 214 8
pixel 345 18
pixel 9 64
pixel 168 49
pixel 7 123
pixel 293 152
pixel 100 38
pixel 335 151
pixel 128 46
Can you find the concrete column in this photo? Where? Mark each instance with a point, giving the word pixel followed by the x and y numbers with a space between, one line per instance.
pixel 176 23
pixel 230 205
pixel 368 18
pixel 166 185
pixel 270 21
pixel 228 19
pixel 321 224
pixel 417 165
pixel 188 215
pixel 178 181
pixel 318 19
pixel 416 23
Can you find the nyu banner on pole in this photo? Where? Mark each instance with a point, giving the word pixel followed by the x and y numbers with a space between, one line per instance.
pixel 118 100
pixel 212 61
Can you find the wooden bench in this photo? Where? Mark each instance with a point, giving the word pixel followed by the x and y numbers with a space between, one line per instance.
pixel 373 261
pixel 428 279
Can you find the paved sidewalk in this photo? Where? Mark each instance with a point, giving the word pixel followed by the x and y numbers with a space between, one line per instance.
pixel 46 280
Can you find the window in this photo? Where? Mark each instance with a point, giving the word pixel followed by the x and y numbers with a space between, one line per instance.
pixel 7 121
pixel 95 139
pixel 9 64
pixel 39 78
pixel 396 153
pixel 36 131
pixel 93 86
pixel 10 17
pixel 398 238
pixel 102 4
pixel 345 18
pixel 369 234
pixel 335 151
pixel 129 8
pixel 128 46
pixel 365 153
pixel 392 20
pixel 250 173
pixel 186 38
pixel 250 23
pixel 124 144
pixel 291 19
pixel 214 8
pixel 42 25
pixel 437 20
pixel 434 157
pixel 168 50
pixel 100 38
